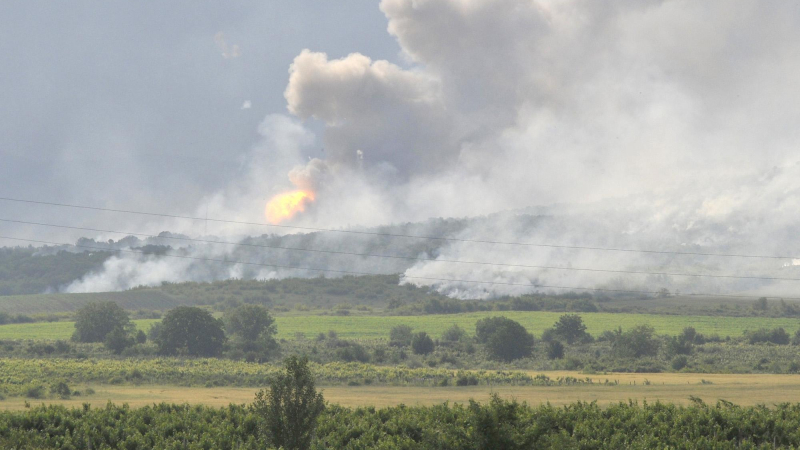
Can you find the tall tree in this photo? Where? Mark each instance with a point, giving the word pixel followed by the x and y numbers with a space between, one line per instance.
pixel 570 328
pixel 95 320
pixel 291 406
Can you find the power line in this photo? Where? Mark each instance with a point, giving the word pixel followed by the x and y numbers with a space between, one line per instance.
pixel 348 272
pixel 372 233
pixel 410 258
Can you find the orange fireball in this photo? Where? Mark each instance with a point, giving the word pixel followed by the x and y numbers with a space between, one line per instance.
pixel 285 206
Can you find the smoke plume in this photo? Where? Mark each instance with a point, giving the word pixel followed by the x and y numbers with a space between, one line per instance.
pixel 665 125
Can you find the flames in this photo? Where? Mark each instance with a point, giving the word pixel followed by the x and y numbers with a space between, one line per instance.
pixel 285 206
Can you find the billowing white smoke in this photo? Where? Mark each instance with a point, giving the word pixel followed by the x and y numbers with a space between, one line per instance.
pixel 664 124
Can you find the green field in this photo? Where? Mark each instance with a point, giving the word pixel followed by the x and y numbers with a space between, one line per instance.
pixel 377 327
pixel 52 330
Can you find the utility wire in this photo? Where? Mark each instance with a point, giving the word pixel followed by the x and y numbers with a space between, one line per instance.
pixel 374 233
pixel 410 258
pixel 348 272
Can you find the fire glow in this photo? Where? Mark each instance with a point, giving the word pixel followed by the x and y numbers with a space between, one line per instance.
pixel 287 205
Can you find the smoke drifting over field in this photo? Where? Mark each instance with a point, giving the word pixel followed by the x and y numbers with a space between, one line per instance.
pixel 660 124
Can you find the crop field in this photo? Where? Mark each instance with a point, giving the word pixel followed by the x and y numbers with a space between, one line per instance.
pixel 377 327
pixel 669 387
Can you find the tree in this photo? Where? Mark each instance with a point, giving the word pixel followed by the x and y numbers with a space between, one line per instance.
pixel 400 335
pixel 421 343
pixel 571 329
pixel 192 331
pixel 118 340
pixel 636 342
pixel 95 320
pixel 250 323
pixel 291 406
pixel 505 339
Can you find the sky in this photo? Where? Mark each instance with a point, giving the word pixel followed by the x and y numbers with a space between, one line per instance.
pixel 661 124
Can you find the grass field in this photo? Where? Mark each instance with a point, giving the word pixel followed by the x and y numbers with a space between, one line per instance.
pixel 669 387
pixel 377 327
pixel 52 330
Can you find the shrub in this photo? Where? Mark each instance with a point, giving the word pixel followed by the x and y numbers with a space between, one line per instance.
pixel 636 342
pixel 35 392
pixel 352 353
pixel 454 334
pixel 679 362
pixel 400 335
pixel 60 389
pixel 555 350
pixel 777 336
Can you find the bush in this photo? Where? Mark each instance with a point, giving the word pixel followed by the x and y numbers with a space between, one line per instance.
pixel 421 343
pixel 352 353
pixel 777 336
pixel 60 389
pixel 118 340
pixel 466 379
pixel 454 334
pixel 555 350
pixel 35 392
pixel 679 362
pixel 636 342
pixel 400 335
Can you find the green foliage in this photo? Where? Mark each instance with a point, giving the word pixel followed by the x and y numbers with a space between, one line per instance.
pixel 679 362
pixel 636 342
pixel 118 340
pixel 291 406
pixel 498 424
pixel 571 329
pixel 454 334
pixel 555 350
pixel 141 337
pixel 24 271
pixel 421 343
pixel 60 389
pixel 95 320
pixel 777 336
pixel 250 323
pixel 400 335
pixel 190 331
pixel 505 339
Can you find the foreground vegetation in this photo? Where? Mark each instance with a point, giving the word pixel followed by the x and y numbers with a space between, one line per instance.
pixel 496 424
